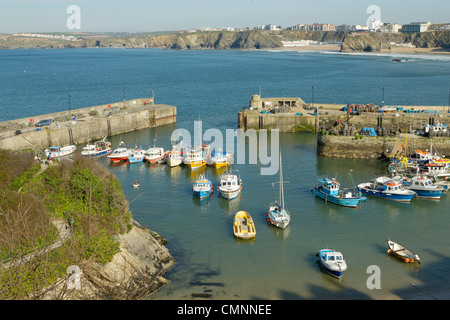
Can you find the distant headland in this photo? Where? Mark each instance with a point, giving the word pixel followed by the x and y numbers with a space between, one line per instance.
pixel 344 41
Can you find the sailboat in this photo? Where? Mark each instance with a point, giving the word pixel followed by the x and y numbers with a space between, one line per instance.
pixel 277 215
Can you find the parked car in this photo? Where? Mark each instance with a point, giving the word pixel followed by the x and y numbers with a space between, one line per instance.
pixel 43 123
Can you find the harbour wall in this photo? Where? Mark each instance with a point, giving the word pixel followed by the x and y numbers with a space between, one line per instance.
pixel 326 120
pixel 90 123
pixel 375 147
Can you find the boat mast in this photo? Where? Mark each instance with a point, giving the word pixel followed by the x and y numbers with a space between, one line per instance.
pixel 281 184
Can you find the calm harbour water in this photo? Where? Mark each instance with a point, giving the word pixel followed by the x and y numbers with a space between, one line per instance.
pixel 213 86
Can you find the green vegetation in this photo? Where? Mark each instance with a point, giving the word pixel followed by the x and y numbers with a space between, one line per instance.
pixel 80 192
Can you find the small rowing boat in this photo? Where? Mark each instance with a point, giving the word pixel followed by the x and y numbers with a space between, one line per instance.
pixel 401 252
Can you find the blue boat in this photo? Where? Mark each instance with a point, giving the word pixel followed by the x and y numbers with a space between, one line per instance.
pixel 135 156
pixel 329 190
pixel 387 188
pixel 332 262
pixel 202 187
pixel 422 186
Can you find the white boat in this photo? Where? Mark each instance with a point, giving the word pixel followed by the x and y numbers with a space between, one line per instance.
pixel 120 153
pixel 230 185
pixel 174 157
pixel 332 262
pixel 55 152
pixel 99 149
pixel 277 214
pixel 422 186
pixel 154 155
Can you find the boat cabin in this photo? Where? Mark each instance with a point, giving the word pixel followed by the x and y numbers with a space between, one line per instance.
pixel 330 186
pixel 230 180
pixel 332 256
pixel 393 186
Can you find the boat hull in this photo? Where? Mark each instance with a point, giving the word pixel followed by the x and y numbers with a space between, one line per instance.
pixel 243 226
pixel 277 218
pixel 229 194
pixel 429 194
pixel 97 154
pixel 346 202
pixel 334 273
pixel 174 162
pixel 366 189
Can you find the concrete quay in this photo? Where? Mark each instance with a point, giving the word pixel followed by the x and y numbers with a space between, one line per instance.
pixel 90 124
pixel 375 147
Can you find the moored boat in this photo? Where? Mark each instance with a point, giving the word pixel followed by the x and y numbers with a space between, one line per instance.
pixel 244 226
pixel 401 252
pixel 202 187
pixel 174 157
pixel 119 154
pixel 329 190
pixel 387 188
pixel 277 214
pixel 230 185
pixel 55 152
pixel 422 186
pixel 332 262
pixel 154 155
pixel 97 150
pixel 135 156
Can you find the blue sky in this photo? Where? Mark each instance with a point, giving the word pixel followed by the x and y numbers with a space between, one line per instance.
pixel 162 15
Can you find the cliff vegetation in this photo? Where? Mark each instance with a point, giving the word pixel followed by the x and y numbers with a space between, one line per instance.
pixel 72 216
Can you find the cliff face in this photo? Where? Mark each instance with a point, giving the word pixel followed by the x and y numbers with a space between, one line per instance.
pixel 217 40
pixel 378 41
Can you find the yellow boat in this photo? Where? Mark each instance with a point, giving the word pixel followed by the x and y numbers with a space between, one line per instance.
pixel 195 164
pixel 243 226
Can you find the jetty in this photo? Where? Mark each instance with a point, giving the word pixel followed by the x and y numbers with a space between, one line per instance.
pixel 83 125
pixel 341 128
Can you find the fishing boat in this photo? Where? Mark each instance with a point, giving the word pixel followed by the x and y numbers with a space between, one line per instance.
pixel 401 252
pixel 243 226
pixel 194 158
pixel 135 156
pixel 439 170
pixel 202 187
pixel 387 188
pixel 97 150
pixel 230 185
pixel 55 152
pixel 219 159
pixel 277 214
pixel 332 262
pixel 154 155
pixel 119 154
pixel 174 157
pixel 422 186
pixel 136 184
pixel 329 190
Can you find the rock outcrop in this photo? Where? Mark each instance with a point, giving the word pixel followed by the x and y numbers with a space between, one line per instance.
pixel 135 272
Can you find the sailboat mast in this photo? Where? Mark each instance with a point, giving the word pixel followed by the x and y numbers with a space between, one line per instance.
pixel 281 184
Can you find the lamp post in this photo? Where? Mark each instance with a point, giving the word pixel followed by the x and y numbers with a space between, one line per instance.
pixel 124 96
pixel 70 111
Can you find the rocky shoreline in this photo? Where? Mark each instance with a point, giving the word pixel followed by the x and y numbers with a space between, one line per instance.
pixel 134 273
pixel 250 39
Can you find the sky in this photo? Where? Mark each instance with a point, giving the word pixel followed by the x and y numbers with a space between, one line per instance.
pixel 165 15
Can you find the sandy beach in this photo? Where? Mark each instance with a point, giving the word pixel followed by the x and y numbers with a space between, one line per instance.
pixel 405 50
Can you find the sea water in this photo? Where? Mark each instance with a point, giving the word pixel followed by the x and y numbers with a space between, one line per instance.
pixel 212 86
